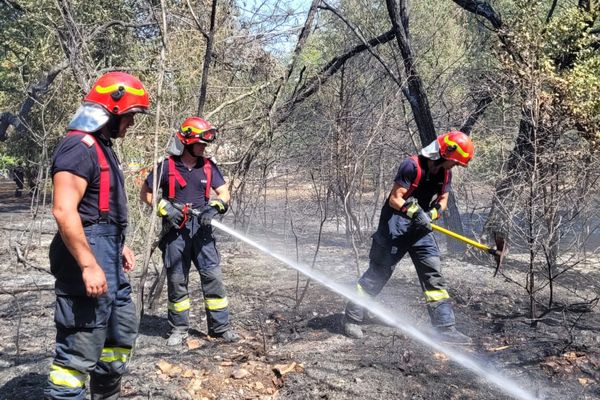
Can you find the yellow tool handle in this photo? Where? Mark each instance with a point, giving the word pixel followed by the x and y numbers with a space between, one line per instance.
pixel 460 237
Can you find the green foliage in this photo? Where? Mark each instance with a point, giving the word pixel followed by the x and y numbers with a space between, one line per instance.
pixel 7 161
pixel 572 63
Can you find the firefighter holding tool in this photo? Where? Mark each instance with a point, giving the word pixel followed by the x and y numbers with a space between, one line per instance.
pixel 418 197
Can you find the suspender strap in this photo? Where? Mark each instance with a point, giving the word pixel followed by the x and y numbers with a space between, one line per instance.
pixel 415 182
pixel 174 175
pixel 208 173
pixel 104 194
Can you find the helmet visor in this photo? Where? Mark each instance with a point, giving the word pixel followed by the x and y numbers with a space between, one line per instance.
pixel 190 135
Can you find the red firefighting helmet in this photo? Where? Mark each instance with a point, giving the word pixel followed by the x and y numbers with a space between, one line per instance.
pixel 119 93
pixel 456 146
pixel 196 130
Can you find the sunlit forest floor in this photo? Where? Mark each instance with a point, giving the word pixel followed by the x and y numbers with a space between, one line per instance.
pixel 303 355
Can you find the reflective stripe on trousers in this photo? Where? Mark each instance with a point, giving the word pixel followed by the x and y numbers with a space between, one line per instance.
pixel 383 258
pixel 194 244
pixel 93 335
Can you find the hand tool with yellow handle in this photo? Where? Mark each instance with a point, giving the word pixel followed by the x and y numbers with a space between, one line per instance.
pixel 498 252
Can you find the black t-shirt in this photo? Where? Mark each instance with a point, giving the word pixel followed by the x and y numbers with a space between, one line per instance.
pixel 80 158
pixel 195 188
pixel 426 192
pixel 430 185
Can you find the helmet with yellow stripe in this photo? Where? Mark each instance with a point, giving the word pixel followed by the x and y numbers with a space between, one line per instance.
pixel 119 93
pixel 456 146
pixel 196 130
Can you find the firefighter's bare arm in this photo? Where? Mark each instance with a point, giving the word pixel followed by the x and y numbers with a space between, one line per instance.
pixel 68 192
pixel 443 201
pixel 396 197
pixel 146 194
pixel 223 193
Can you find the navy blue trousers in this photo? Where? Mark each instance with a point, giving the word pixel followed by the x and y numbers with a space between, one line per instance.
pixel 94 336
pixel 194 243
pixel 389 246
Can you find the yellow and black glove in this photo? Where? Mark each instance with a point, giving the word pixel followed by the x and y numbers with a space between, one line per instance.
pixel 169 212
pixel 420 218
pixel 435 212
pixel 214 207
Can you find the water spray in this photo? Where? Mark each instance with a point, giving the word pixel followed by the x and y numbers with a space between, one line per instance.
pixel 505 384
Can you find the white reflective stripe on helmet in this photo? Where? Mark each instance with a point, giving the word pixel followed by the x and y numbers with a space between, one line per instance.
pixel 89 117
pixel 431 151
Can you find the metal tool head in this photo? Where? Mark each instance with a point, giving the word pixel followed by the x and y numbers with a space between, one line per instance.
pixel 500 251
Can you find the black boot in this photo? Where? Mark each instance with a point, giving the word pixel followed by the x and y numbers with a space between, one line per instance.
pixel 352 329
pixel 442 318
pixel 105 387
pixel 353 316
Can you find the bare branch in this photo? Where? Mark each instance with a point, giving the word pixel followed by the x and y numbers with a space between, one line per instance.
pixel 207 58
pixel 104 27
pixel 327 71
pixel 482 105
pixel 239 98
pixel 483 9
pixel 299 46
pixel 198 24
pixel 358 33
pixel 551 11
pixel 33 93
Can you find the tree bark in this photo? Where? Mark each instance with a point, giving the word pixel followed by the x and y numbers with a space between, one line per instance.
pixel 413 90
pixel 34 92
pixel 207 57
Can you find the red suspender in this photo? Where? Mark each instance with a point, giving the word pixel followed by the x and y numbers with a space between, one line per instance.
pixel 415 183
pixel 103 196
pixel 174 175
pixel 208 173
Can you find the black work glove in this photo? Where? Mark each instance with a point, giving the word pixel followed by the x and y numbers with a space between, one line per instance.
pixel 420 219
pixel 212 209
pixel 168 211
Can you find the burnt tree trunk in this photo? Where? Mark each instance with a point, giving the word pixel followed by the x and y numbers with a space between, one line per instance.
pixel 414 92
pixel 207 57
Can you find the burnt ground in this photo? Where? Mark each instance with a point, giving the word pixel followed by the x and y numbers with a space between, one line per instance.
pixel 302 355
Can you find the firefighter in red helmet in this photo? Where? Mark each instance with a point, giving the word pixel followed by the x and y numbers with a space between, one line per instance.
pixel 186 181
pixel 95 317
pixel 419 196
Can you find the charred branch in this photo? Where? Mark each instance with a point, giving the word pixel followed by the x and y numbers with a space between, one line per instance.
pixel 313 85
pixel 207 58
pixel 483 9
pixel 551 11
pixel 34 92
pixel 414 90
pixel 358 33
pixel 480 108
pixel 299 46
pixel 13 4
pixel 197 21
